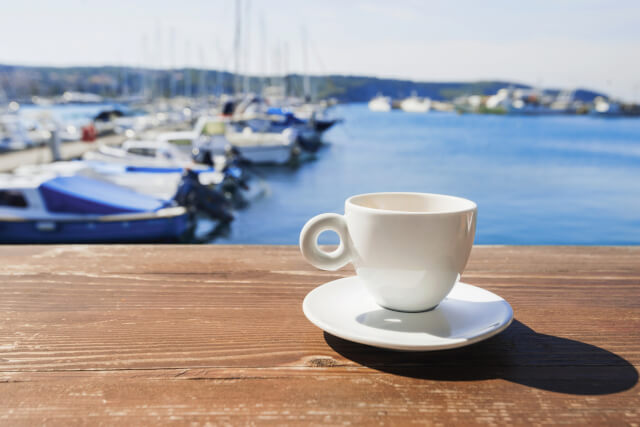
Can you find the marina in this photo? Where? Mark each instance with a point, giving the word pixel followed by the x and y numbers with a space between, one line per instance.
pixel 191 157
pixel 585 157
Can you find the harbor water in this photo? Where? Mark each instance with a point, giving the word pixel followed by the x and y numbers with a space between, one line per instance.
pixel 566 180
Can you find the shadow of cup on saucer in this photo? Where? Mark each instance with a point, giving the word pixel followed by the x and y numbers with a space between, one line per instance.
pixel 406 322
pixel 453 316
pixel 519 354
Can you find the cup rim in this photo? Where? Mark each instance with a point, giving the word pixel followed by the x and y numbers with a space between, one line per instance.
pixel 350 202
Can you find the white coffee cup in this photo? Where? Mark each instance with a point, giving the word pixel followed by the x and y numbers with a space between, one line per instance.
pixel 408 249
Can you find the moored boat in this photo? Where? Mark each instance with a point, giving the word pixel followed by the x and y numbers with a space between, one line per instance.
pixel 75 209
pixel 380 103
pixel 154 154
pixel 250 142
pixel 415 104
pixel 161 183
pixel 13 135
pixel 309 129
pixel 260 147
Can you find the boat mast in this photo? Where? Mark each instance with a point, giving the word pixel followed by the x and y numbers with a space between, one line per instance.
pixel 221 69
pixel 157 81
pixel 144 70
pixel 247 39
pixel 187 71
pixel 202 90
pixel 236 48
pixel 172 70
pixel 263 53
pixel 285 67
pixel 305 57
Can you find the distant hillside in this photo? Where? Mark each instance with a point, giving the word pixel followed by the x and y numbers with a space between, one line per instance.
pixel 23 82
pixel 359 89
pixel 584 95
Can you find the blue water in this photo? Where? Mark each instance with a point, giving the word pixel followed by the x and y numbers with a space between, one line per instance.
pixel 537 180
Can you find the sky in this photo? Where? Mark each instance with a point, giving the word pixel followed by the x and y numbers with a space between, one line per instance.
pixel 559 44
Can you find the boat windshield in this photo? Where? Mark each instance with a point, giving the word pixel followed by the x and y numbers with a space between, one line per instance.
pixel 142 151
pixel 12 199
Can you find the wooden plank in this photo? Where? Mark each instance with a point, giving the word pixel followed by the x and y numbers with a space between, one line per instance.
pixel 196 334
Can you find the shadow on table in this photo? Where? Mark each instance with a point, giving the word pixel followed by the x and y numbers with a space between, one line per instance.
pixel 519 354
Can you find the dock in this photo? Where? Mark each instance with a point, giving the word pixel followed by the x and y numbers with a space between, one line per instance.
pixel 40 155
pixel 68 150
pixel 203 335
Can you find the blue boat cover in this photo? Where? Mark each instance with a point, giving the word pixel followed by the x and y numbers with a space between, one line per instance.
pixel 80 195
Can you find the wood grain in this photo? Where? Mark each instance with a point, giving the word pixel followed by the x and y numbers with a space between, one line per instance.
pixel 215 334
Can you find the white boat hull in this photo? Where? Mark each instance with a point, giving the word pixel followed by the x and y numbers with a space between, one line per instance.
pixel 274 154
pixel 260 147
pixel 379 105
pixel 266 154
pixel 415 105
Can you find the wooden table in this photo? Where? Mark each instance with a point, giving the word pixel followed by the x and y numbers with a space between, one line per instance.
pixel 197 334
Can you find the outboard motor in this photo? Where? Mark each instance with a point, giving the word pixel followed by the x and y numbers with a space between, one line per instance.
pixel 235 175
pixel 202 156
pixel 234 184
pixel 193 195
pixel 234 157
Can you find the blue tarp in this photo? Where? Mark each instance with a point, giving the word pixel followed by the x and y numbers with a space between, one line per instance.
pixel 80 195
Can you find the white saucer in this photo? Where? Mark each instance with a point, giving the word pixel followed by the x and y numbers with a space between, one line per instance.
pixel 467 315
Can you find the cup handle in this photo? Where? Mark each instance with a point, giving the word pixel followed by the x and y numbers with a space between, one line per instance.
pixel 309 242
